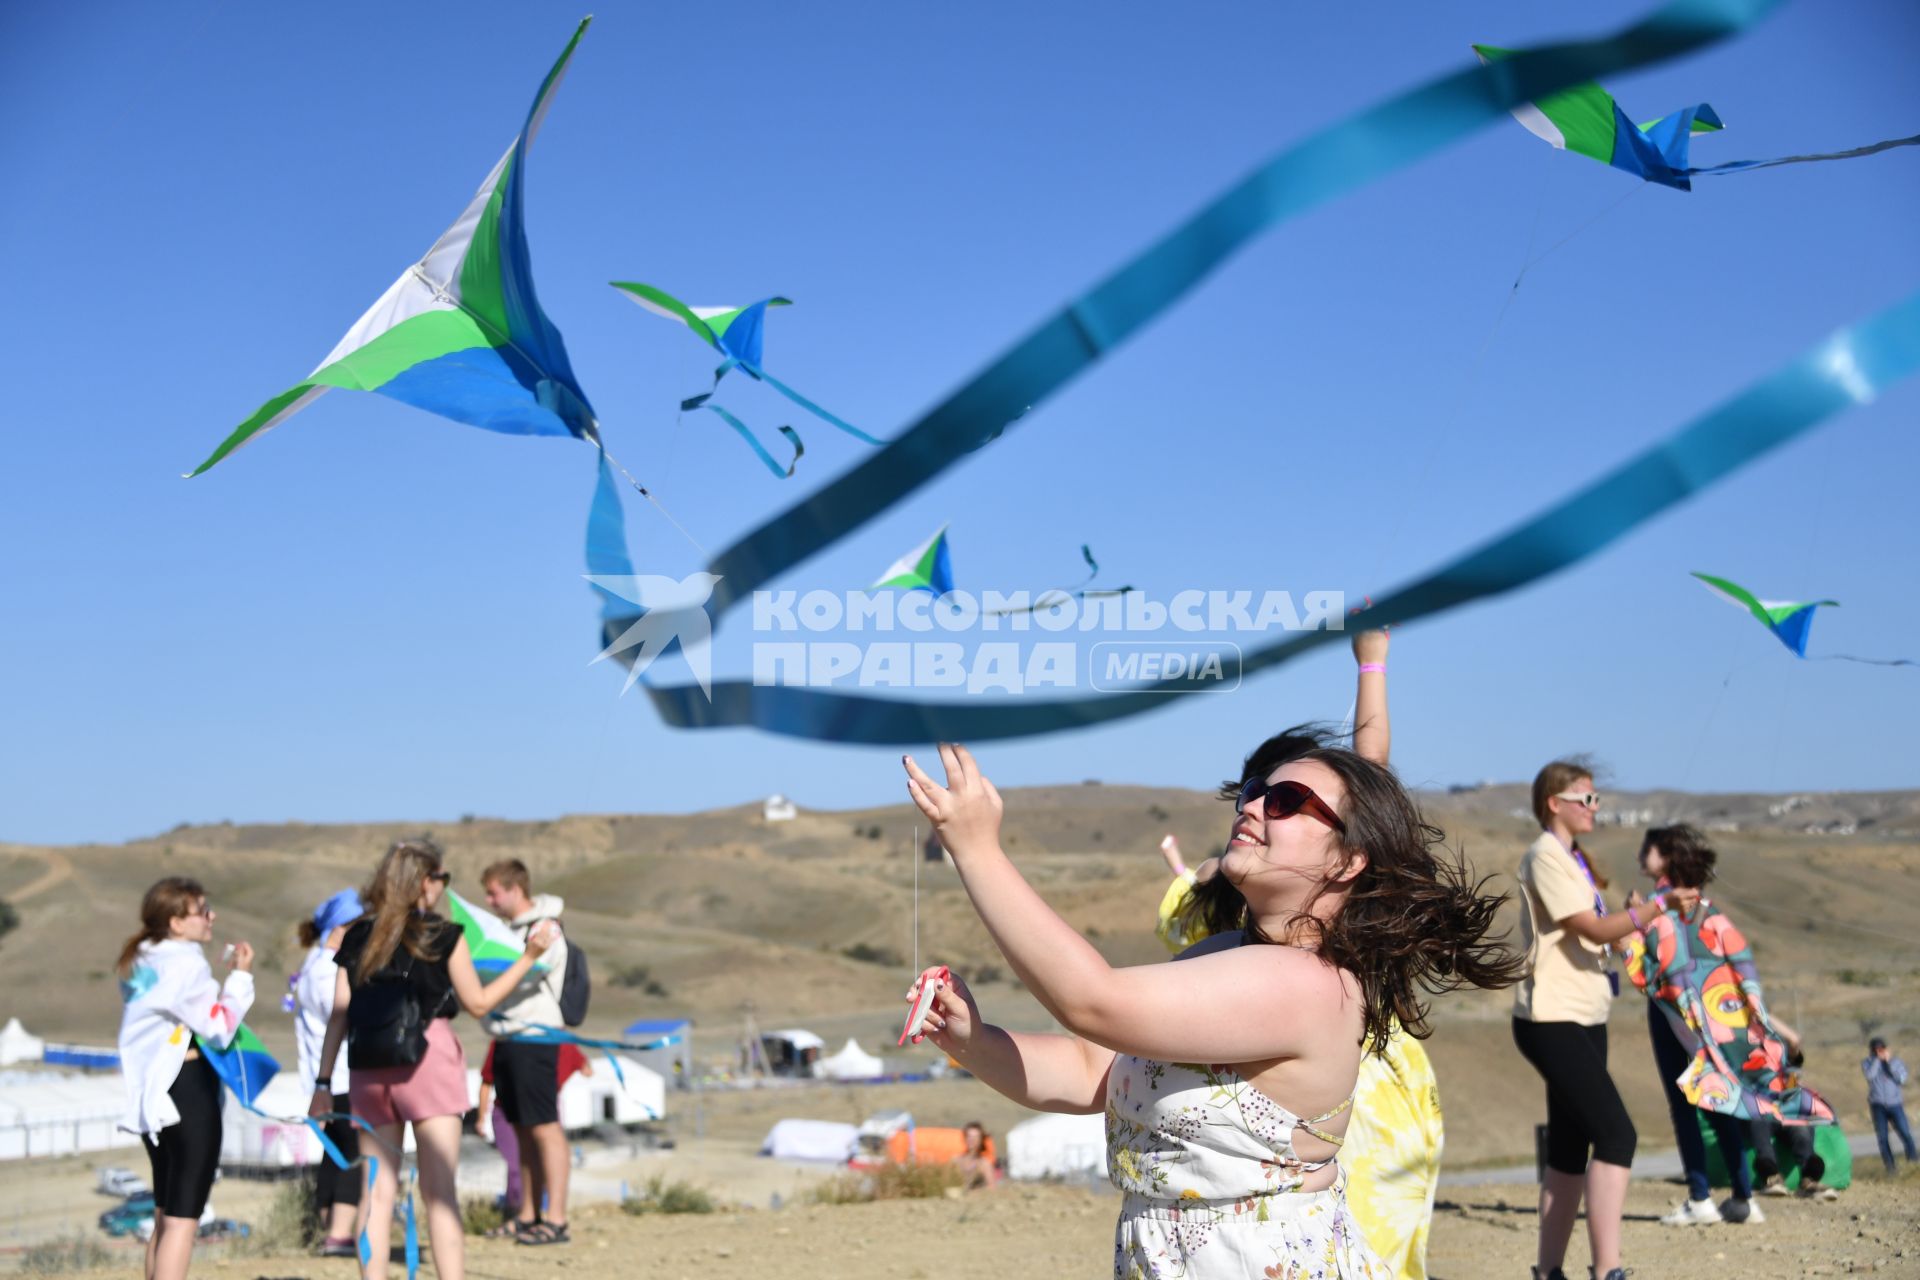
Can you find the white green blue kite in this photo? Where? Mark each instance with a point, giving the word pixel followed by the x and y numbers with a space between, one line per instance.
pixel 738 334
pixel 460 333
pixel 1790 621
pixel 493 945
pixel 928 567
pixel 1587 120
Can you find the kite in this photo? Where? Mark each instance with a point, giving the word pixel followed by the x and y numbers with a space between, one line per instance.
pixel 490 940
pixel 738 334
pixel 1701 974
pixel 460 333
pixel 1585 118
pixel 244 1066
pixel 1789 621
pixel 928 567
pixel 1052 597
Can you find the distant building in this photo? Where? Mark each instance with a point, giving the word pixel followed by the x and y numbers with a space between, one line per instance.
pixel 780 809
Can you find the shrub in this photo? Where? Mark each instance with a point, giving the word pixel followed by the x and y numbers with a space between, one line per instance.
pixel 637 975
pixel 661 1196
pixel 291 1223
pixel 9 918
pixel 481 1214
pixel 890 1182
pixel 77 1252
pixel 866 953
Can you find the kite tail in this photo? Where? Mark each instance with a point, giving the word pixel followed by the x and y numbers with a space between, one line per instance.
pixel 746 434
pixel 1740 166
pixel 1872 662
pixel 811 407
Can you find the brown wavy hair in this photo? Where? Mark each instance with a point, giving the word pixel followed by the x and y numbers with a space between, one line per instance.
pixel 392 898
pixel 1689 858
pixel 1415 922
pixel 164 903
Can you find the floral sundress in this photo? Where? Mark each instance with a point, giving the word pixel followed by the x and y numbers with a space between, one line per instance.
pixel 1211 1182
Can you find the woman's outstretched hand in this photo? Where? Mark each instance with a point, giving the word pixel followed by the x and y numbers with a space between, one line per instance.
pixel 966 812
pixel 953 1018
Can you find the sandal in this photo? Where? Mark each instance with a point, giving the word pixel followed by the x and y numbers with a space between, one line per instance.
pixel 545 1233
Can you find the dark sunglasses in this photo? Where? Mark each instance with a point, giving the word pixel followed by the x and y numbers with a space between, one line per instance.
pixel 444 877
pixel 1284 799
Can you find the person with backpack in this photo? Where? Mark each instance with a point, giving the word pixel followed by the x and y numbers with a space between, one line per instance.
pixel 525 1070
pixel 404 973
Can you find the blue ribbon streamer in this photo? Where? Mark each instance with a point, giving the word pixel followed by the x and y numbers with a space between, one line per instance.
pixel 1741 166
pixel 540 1033
pixel 1332 162
pixel 746 434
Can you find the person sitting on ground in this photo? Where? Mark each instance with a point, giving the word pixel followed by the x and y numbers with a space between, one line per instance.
pixel 978 1161
pixel 1764 1132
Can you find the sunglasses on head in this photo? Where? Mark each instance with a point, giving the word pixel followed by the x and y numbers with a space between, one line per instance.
pixel 1591 799
pixel 1284 799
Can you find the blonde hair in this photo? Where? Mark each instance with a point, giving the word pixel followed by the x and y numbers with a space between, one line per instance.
pixel 391 898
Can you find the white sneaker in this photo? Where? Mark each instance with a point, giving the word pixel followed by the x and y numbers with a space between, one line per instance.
pixel 1741 1211
pixel 1692 1213
pixel 1811 1189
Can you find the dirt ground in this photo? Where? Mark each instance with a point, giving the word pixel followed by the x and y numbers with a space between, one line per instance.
pixel 1052 1231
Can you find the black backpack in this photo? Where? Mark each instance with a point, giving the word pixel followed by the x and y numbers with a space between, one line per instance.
pixel 576 986
pixel 385 1025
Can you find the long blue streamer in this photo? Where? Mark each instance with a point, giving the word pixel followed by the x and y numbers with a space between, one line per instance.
pixel 1741 166
pixel 1332 162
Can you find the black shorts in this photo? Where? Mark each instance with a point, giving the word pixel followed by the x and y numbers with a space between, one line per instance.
pixel 332 1184
pixel 184 1155
pixel 526 1082
pixel 1584 1111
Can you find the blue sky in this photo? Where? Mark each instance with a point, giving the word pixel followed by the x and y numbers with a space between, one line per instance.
pixel 372 613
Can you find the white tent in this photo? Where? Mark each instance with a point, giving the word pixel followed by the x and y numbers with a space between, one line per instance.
pixel 822 1140
pixel 45 1113
pixel 635 1094
pixel 1057 1146
pixel 18 1046
pixel 247 1138
pixel 779 809
pixel 851 1063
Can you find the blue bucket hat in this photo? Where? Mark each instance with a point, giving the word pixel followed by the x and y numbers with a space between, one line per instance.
pixel 342 908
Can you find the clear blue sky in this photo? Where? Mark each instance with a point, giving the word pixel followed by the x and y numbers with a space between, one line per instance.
pixel 372 613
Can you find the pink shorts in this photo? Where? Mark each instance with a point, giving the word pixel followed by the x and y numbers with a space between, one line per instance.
pixel 434 1086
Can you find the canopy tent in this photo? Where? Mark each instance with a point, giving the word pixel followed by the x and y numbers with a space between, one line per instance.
pixel 16 1045
pixel 671 1062
pixel 851 1063
pixel 793 1052
pixel 817 1140
pixel 256 1141
pixel 1058 1146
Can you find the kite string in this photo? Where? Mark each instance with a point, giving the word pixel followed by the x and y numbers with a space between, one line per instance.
pixel 644 492
pixel 1548 252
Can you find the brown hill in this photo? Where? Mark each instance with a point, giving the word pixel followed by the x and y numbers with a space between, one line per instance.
pixel 695 914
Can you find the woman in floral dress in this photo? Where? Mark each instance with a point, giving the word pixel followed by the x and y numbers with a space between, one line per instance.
pixel 1347 914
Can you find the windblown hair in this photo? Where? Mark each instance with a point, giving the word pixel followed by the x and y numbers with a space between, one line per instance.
pixel 392 899
pixel 1550 782
pixel 308 933
pixel 1689 859
pixel 164 903
pixel 510 872
pixel 1414 920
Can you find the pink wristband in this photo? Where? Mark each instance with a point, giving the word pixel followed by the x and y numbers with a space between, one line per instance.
pixel 1637 926
pixel 1367 667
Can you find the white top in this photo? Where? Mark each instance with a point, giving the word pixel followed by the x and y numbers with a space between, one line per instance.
pixel 170 998
pixel 313 989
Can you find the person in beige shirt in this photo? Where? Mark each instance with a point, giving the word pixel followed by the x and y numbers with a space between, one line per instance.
pixel 1560 1022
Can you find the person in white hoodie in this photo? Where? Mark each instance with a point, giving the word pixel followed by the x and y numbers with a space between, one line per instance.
pixel 336 1190
pixel 173 1095
pixel 526 1076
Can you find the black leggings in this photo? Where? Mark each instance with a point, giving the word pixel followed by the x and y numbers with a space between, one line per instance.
pixel 1583 1108
pixel 185 1154
pixel 332 1184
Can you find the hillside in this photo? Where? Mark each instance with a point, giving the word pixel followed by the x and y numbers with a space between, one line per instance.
pixel 696 914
